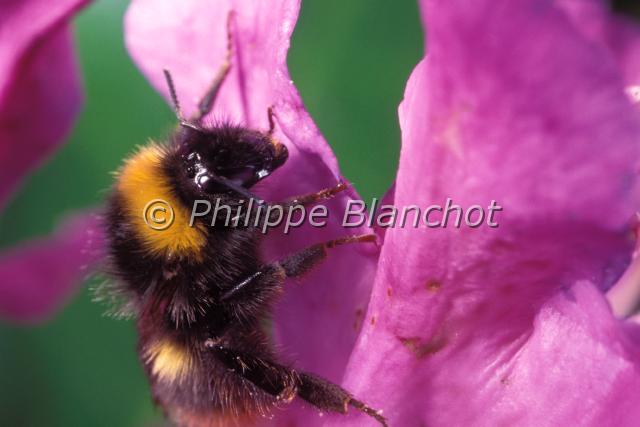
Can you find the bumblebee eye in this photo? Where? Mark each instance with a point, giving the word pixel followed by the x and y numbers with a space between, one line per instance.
pixel 243 175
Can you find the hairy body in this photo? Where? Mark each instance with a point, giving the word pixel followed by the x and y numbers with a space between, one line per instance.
pixel 200 292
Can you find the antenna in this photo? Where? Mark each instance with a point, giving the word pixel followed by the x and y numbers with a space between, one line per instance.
pixel 172 92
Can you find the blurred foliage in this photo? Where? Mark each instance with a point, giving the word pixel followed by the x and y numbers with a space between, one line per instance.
pixel 350 60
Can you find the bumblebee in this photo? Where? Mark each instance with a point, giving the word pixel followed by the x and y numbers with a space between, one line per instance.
pixel 200 292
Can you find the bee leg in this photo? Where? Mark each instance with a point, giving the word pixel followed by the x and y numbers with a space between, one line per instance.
pixel 311 198
pixel 286 205
pixel 305 200
pixel 206 103
pixel 272 122
pixel 271 276
pixel 276 380
pixel 331 397
pixel 297 264
pixel 285 384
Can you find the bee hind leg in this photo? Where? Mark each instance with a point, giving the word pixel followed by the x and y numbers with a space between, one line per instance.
pixel 331 397
pixel 284 384
pixel 272 378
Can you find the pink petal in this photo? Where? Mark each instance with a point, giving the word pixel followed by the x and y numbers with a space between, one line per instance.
pixel 617 34
pixel 507 325
pixel 625 294
pixel 37 277
pixel 40 93
pixel 318 319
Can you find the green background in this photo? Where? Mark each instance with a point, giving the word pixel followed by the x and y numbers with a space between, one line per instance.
pixel 350 61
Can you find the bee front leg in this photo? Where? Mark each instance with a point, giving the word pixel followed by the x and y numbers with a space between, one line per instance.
pixel 303 200
pixel 311 198
pixel 285 205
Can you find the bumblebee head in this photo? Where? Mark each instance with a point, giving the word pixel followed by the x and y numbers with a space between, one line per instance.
pixel 226 159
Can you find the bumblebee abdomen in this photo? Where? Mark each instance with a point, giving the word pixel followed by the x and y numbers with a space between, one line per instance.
pixel 196 389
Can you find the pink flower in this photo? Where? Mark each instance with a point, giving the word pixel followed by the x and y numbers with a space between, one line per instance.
pixel 509 326
pixel 190 40
pixel 40 96
pixel 518 101
pixel 317 320
pixel 522 102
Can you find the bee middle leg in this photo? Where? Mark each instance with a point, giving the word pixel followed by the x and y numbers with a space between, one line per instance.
pixel 295 265
pixel 285 384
